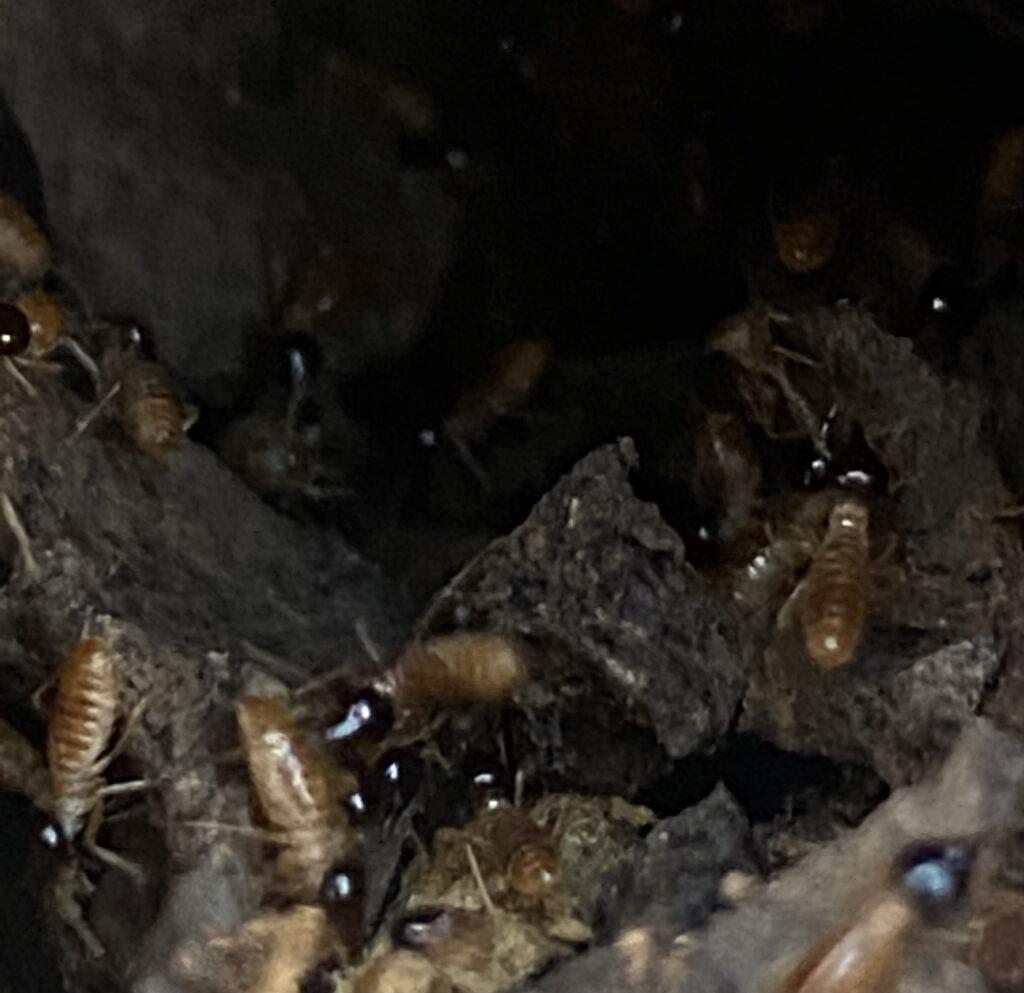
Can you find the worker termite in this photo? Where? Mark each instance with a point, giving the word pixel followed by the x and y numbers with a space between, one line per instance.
pixel 152 413
pixel 512 379
pixel 746 338
pixel 728 472
pixel 509 842
pixel 834 600
pixel 806 242
pixel 273 951
pixel 927 881
pixel 77 747
pixel 299 793
pixel 24 249
pixel 452 671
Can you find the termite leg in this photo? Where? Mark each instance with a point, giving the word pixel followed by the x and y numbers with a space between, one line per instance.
pixel 133 718
pixel 19 378
pixel 130 786
pixel 131 869
pixel 274 837
pixel 785 616
pixel 84 359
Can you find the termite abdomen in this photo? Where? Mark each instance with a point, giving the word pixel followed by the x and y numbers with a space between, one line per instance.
pixel 152 413
pixel 79 731
pixel 835 599
pixel 456 670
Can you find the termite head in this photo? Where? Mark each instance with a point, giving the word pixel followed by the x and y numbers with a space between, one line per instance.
pixel 934 875
pixel 343 895
pixel 15 331
pixel 366 716
pixel 54 835
pixel 423 927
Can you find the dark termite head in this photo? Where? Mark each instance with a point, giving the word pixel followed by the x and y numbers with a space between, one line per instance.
pixel 422 927
pixel 54 836
pixel 343 895
pixel 366 715
pixel 934 875
pixel 15 333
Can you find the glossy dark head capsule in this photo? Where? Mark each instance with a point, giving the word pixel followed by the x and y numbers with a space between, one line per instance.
pixel 343 895
pixel 366 716
pixel 934 874
pixel 422 927
pixel 15 333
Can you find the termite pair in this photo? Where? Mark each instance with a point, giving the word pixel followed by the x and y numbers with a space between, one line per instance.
pixel 70 785
pixel 926 882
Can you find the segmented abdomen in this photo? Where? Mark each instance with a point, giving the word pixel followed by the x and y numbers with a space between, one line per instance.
pixel 83 719
pixel 835 601
pixel 456 670
pixel 151 410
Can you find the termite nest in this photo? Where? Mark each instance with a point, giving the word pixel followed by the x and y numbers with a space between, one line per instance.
pixel 527 495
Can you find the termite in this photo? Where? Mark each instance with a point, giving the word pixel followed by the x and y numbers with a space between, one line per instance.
pixel 272 951
pixel 514 375
pixel 746 338
pixel 806 242
pixel 455 670
pixel 928 880
pixel 299 794
pixel 507 841
pixel 77 747
pixel 152 413
pixel 728 472
pixel 24 249
pixel 834 599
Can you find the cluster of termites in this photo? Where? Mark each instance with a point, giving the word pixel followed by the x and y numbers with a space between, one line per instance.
pixel 34 329
pixel 315 764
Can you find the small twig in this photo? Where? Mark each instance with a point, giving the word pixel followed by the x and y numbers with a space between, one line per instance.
pixel 84 422
pixel 20 379
pixel 18 530
pixel 474 867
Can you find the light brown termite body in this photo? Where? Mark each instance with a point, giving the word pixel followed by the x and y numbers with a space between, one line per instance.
pixel 516 371
pixel 151 411
pixel 455 670
pixel 45 319
pixel 273 951
pixel 85 710
pixel 24 249
pixel 806 242
pixel 298 793
pixel 835 596
pixel 23 768
pixel 510 843
pixel 746 338
pixel 860 958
